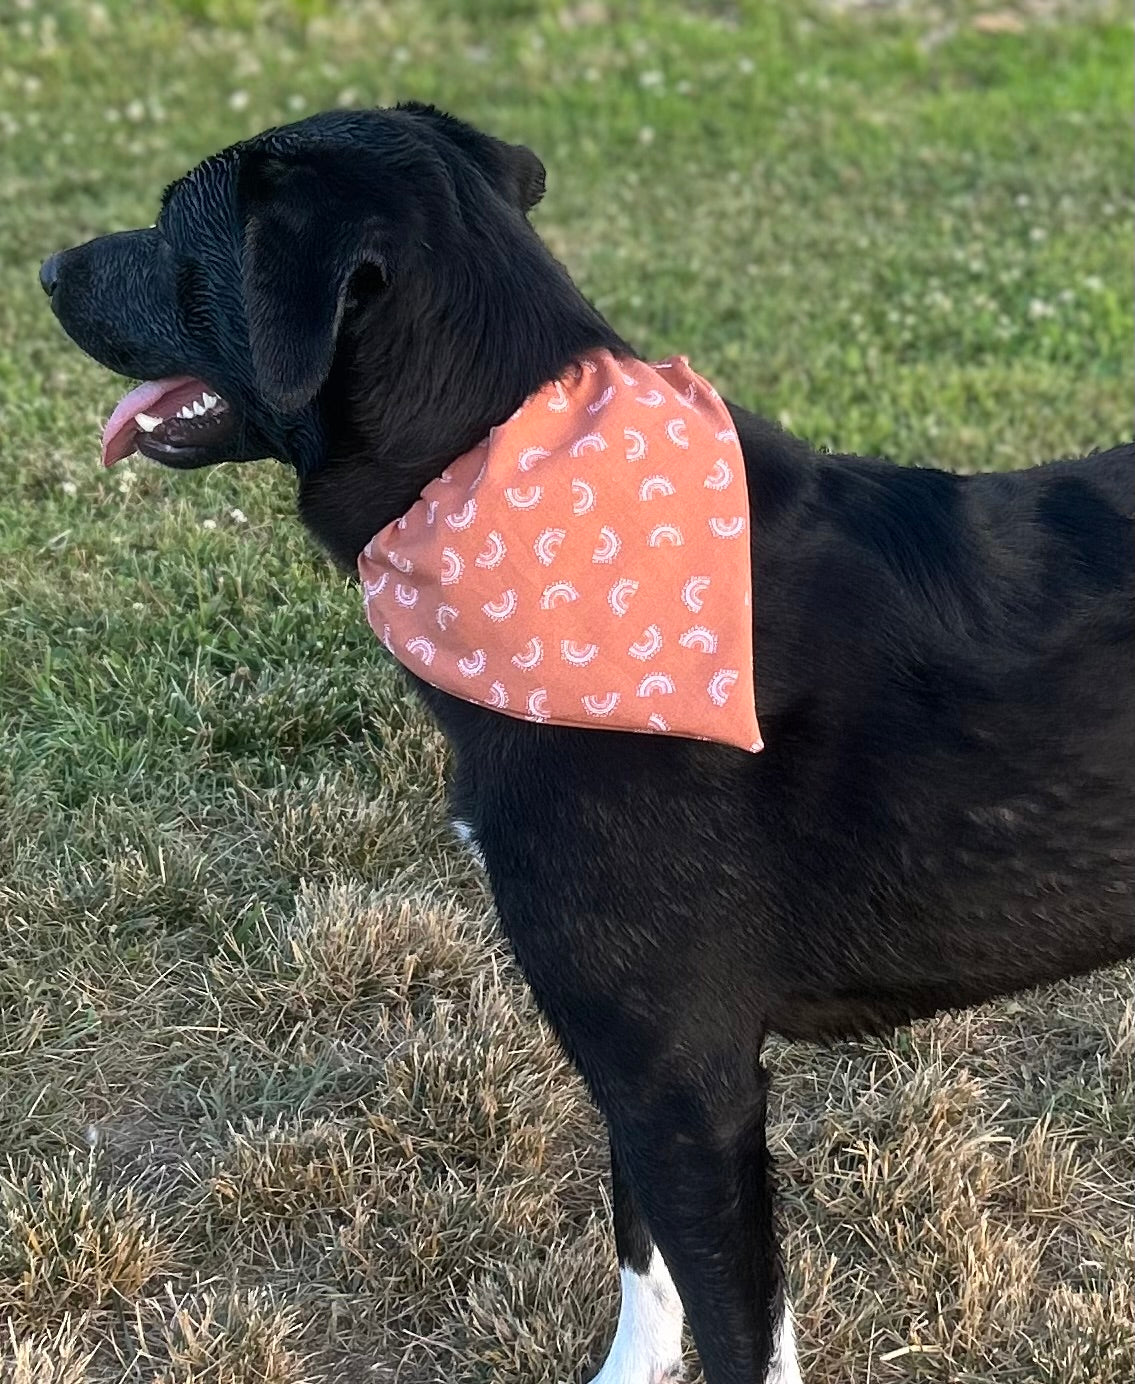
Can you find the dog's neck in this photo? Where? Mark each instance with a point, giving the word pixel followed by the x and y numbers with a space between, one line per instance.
pixel 420 385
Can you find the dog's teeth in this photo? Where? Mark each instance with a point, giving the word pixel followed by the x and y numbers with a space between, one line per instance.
pixel 198 408
pixel 185 412
pixel 208 400
pixel 146 421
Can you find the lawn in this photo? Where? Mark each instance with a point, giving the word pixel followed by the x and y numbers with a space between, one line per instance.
pixel 273 1104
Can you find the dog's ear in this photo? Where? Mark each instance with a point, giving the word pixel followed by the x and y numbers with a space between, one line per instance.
pixel 529 174
pixel 513 169
pixel 300 251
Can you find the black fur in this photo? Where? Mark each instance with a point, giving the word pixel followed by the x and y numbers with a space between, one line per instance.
pixel 944 666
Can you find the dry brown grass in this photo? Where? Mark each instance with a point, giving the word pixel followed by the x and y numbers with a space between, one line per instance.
pixel 339 1144
pixel 968 1188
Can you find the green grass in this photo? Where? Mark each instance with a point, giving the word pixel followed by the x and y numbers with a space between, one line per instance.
pixel 272 1102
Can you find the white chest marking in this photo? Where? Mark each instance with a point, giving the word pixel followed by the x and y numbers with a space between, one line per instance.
pixel 464 833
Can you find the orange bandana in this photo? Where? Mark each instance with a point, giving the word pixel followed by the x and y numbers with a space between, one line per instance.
pixel 587 564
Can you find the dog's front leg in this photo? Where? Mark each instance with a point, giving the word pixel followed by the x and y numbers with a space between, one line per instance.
pixel 647 1348
pixel 695 1162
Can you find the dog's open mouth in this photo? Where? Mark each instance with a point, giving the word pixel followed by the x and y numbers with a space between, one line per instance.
pixel 178 420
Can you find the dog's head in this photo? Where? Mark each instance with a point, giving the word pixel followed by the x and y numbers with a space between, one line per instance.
pixel 232 305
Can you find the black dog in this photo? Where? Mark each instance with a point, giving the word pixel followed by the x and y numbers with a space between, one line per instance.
pixel 944 811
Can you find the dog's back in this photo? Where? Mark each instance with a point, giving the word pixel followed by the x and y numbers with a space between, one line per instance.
pixel 950 673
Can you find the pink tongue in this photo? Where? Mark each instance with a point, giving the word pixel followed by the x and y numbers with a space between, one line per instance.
pixel 121 431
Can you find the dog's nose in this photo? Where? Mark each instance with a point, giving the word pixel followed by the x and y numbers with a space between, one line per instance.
pixel 49 273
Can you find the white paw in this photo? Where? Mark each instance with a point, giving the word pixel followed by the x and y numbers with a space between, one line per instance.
pixel 784 1369
pixel 674 1375
pixel 647 1348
